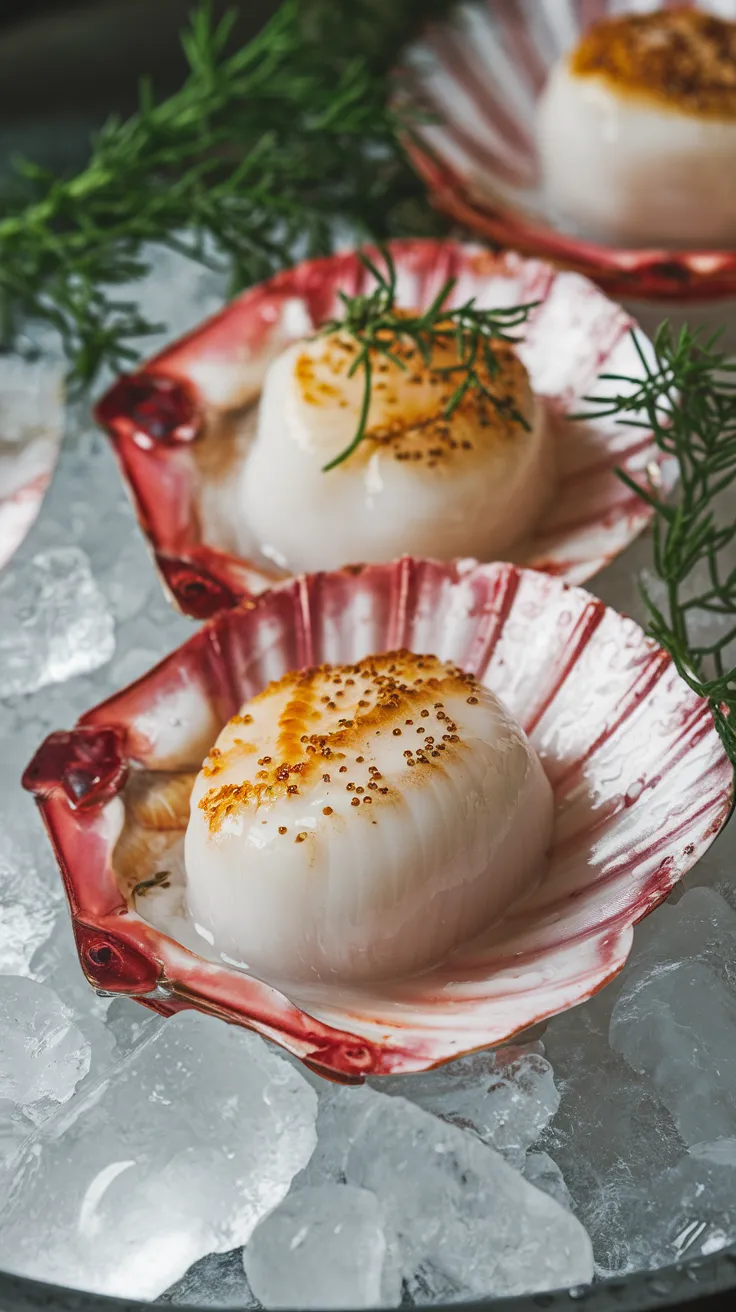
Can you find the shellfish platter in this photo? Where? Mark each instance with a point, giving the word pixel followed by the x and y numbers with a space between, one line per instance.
pixel 367 916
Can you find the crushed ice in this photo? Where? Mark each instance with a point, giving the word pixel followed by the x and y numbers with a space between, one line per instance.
pixel 54 621
pixel 190 1162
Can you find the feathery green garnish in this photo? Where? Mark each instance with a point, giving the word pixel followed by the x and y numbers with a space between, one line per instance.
pixel 688 400
pixel 249 166
pixel 378 328
pixel 253 162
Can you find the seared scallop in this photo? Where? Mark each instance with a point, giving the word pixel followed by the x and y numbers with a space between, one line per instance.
pixel 637 131
pixel 421 482
pixel 358 822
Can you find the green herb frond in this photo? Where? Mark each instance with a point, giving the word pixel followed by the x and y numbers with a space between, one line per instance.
pixel 256 157
pixel 378 328
pixel 687 398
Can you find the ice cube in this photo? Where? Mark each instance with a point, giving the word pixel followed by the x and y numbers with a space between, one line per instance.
pixel 722 1152
pixel 133 665
pixel 679 1027
pixel 129 583
pixel 218 1280
pixel 611 1135
pixel 340 1118
pixel 688 1211
pixel 29 903
pixel 15 1128
pixel 698 925
pixel 192 1140
pixel 178 292
pixel 56 963
pixel 675 1017
pixel 324 1247
pixel 31 893
pixel 544 1174
pixel 456 1204
pixel 506 1097
pixel 43 1055
pixel 715 869
pixel 428 1285
pixel 54 621
pixel 130 1024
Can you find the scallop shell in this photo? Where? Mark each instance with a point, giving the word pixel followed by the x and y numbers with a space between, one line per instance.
pixel 181 425
pixel 31 422
pixel 477 80
pixel 641 781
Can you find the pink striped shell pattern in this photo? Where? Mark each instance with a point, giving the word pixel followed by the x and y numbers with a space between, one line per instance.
pixel 31 422
pixel 477 78
pixel 641 783
pixel 181 426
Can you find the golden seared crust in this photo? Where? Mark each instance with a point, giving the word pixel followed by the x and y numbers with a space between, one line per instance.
pixel 407 415
pixel 328 716
pixel 683 59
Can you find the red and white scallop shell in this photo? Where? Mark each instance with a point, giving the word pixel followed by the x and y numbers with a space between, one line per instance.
pixel 477 78
pixel 641 781
pixel 183 422
pixel 31 422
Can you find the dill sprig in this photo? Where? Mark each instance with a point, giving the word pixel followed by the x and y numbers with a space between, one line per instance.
pixel 688 400
pixel 379 328
pixel 256 158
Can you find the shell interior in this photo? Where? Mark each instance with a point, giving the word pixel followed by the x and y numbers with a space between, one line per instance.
pixel 186 491
pixel 642 785
pixel 477 78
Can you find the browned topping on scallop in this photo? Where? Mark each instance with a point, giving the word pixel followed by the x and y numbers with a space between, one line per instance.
pixel 407 415
pixel 682 57
pixel 313 731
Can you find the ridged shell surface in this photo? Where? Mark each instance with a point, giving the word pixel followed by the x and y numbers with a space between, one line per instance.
pixel 640 780
pixel 478 79
pixel 182 427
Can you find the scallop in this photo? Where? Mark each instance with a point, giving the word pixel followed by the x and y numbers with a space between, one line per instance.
pixel 358 822
pixel 637 131
pixel 471 483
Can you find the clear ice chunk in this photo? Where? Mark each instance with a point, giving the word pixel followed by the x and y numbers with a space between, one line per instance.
pixel 54 621
pixel 31 892
pixel 217 1280
pixel 506 1097
pixel 722 1152
pixel 675 1016
pixel 324 1247
pixel 645 1201
pixel 57 963
pixel 43 1055
pixel 192 1140
pixel 178 293
pixel 450 1200
pixel 29 903
pixel 715 868
pixel 14 1130
pixel 130 1024
pixel 689 1211
pixel 340 1117
pixel 428 1285
pixel 544 1174
pixel 698 925
pixel 611 1136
